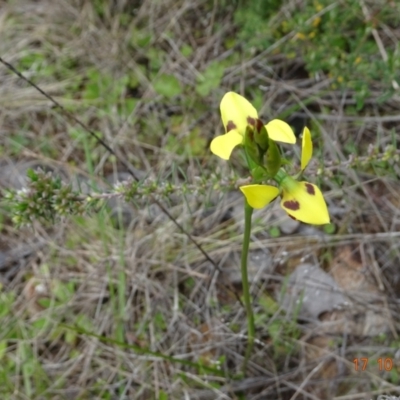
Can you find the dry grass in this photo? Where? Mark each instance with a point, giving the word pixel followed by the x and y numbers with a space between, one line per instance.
pixel 92 311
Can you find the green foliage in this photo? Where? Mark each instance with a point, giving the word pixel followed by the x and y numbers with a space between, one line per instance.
pixel 274 231
pixel 109 92
pixel 140 38
pixel 330 229
pixel 192 144
pixel 6 302
pixel 37 61
pixel 46 198
pixel 353 61
pixel 18 142
pixel 210 79
pixel 17 354
pixel 163 395
pixel 252 17
pixel 394 376
pixel 282 331
pixel 167 85
pixel 186 50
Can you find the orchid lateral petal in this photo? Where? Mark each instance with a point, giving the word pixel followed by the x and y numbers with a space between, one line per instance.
pixel 304 202
pixel 280 131
pixel 223 145
pixel 258 196
pixel 237 112
pixel 306 148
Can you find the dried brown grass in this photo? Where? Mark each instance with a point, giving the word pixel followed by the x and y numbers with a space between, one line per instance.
pixel 148 286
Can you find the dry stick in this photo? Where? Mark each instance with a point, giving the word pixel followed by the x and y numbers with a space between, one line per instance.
pixel 124 163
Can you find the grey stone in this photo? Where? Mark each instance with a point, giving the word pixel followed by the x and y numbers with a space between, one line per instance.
pixel 313 291
pixel 286 224
pixel 259 265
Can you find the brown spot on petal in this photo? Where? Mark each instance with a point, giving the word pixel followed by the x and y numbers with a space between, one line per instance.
pixel 292 205
pixel 259 125
pixel 231 125
pixel 310 189
pixel 291 216
pixel 251 121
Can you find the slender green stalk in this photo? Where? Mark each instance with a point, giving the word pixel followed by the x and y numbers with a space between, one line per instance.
pixel 248 211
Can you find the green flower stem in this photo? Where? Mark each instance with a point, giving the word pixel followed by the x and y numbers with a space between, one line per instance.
pixel 248 211
pixel 280 176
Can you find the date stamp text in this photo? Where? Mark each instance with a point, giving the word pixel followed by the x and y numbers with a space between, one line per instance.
pixel 384 364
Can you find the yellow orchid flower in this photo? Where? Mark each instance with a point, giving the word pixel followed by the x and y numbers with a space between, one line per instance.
pixel 237 114
pixel 301 200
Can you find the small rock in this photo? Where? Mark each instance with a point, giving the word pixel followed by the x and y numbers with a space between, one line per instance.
pixel 286 224
pixel 314 289
pixel 259 264
pixel 14 175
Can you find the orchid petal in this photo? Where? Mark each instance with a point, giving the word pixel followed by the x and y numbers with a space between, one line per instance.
pixel 237 112
pixel 306 148
pixel 223 145
pixel 280 131
pixel 304 202
pixel 258 196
